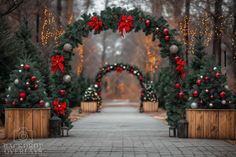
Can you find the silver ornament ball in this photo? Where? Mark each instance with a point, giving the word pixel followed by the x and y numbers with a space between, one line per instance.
pixel 226 87
pixel 215 68
pixel 223 102
pixel 47 104
pixel 67 78
pixel 16 81
pixel 67 47
pixel 211 105
pixel 174 49
pixel 193 105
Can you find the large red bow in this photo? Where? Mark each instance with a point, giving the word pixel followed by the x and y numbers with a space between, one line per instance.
pixel 180 66
pixel 59 108
pixel 57 63
pixel 95 23
pixel 125 23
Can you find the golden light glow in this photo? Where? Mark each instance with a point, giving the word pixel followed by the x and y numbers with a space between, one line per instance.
pixel 50 30
pixel 153 58
pixel 204 28
pixel 80 66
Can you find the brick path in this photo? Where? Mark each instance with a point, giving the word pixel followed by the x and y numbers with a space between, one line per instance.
pixel 124 132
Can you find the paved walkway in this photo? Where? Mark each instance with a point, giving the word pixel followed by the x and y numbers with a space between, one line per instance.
pixel 124 132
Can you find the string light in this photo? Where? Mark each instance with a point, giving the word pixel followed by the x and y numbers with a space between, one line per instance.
pixel 203 28
pixel 50 30
pixel 153 58
pixel 80 66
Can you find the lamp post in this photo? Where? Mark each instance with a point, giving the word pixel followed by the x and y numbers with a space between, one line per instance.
pixel 223 48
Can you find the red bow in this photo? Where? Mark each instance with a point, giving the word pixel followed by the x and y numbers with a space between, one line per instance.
pixel 125 23
pixel 95 23
pixel 59 108
pixel 57 62
pixel 180 66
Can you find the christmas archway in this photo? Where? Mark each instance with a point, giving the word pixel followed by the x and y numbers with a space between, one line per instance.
pixel 115 19
pixel 94 93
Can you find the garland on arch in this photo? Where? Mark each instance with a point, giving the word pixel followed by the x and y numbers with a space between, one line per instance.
pixel 115 19
pixel 147 90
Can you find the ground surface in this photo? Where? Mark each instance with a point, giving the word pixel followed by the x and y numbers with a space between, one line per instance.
pixel 124 132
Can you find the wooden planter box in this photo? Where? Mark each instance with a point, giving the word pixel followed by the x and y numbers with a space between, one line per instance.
pixel 150 106
pixel 211 123
pixel 31 122
pixel 89 106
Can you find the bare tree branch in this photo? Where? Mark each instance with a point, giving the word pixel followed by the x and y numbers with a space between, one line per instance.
pixel 11 5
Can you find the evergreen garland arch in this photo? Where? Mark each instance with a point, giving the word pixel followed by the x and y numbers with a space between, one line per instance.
pixel 94 93
pixel 115 19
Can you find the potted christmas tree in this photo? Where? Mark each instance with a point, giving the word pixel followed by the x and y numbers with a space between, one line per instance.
pixel 91 100
pixel 26 110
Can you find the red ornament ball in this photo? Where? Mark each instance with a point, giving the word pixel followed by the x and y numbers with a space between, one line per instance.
pixel 165 31
pixel 140 78
pixel 142 94
pixel 22 94
pixel 198 82
pixel 119 69
pixel 181 94
pixel 167 38
pixel 62 92
pixel 147 23
pixel 212 97
pixel 177 85
pixel 26 67
pixel 218 75
pixel 13 103
pixel 195 93
pixel 41 103
pixel 33 78
pixel 206 78
pixel 222 94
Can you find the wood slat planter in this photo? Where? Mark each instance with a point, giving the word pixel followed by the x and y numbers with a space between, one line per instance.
pixel 211 123
pixel 89 106
pixel 34 122
pixel 150 106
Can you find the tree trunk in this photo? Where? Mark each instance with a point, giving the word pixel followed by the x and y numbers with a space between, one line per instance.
pixel 103 59
pixel 69 11
pixel 217 32
pixel 37 22
pixel 187 15
pixel 234 37
pixel 59 9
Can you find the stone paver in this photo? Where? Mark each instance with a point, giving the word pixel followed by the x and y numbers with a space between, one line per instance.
pixel 124 132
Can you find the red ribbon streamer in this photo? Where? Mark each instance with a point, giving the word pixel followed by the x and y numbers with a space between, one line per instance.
pixel 57 63
pixel 180 66
pixel 95 23
pixel 125 23
pixel 59 108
